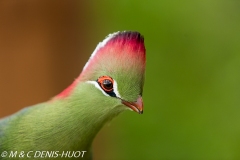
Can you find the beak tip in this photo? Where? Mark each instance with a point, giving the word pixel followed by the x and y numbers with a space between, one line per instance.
pixel 135 106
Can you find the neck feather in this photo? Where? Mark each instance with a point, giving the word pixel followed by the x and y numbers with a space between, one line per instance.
pixel 68 124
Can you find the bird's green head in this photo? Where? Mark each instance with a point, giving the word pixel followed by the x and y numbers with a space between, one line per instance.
pixel 116 69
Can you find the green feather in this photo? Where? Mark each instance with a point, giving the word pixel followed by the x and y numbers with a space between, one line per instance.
pixel 61 124
pixel 70 123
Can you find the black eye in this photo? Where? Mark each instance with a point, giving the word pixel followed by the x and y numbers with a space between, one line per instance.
pixel 106 83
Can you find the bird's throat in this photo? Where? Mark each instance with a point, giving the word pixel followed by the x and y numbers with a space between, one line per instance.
pixel 84 112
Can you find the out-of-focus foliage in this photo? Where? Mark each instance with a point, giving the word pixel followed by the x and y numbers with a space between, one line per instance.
pixel 192 89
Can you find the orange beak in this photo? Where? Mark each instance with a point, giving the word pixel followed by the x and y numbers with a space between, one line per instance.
pixel 135 106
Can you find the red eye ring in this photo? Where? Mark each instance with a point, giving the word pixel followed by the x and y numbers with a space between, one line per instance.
pixel 106 83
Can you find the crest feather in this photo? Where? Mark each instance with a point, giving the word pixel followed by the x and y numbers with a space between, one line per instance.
pixel 120 50
pixel 126 40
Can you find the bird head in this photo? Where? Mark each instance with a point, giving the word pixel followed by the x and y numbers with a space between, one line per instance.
pixel 116 69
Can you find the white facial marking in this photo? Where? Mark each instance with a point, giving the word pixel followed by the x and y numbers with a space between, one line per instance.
pixel 115 89
pixel 97 86
pixel 100 45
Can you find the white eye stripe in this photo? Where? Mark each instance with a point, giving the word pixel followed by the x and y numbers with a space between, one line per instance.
pixel 115 88
pixel 97 86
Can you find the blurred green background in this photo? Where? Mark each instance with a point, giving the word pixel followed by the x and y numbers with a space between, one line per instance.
pixel 192 89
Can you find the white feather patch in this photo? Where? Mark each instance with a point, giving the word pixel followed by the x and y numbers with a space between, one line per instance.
pixel 97 86
pixel 115 89
pixel 100 45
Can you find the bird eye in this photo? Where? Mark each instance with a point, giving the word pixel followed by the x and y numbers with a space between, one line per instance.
pixel 106 83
